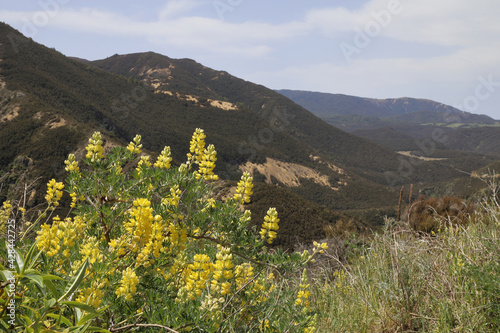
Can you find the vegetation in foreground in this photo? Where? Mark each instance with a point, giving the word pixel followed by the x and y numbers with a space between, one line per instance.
pixel 404 280
pixel 147 247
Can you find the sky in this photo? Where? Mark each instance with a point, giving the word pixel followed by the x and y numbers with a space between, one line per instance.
pixel 446 50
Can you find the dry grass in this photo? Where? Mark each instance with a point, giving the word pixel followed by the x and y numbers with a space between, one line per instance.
pixel 406 281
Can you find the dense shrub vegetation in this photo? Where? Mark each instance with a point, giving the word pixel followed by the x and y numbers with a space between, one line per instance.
pixel 147 246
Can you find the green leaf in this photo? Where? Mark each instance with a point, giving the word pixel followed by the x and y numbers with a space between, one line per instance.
pixel 51 277
pixel 75 281
pixel 35 278
pixel 6 274
pixel 30 260
pixel 51 287
pixel 19 261
pixel 4 325
pixel 79 305
pixel 91 316
pixel 83 329
pixel 60 318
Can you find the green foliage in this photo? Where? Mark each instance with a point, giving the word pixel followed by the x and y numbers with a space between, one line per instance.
pixel 147 246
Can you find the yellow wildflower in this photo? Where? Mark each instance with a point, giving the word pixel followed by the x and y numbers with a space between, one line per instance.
pixel 135 146
pixel 264 325
pixel 94 149
pixel 270 225
pixel 199 274
pixel 175 196
pixel 304 293
pixel 4 215
pixel 243 273
pixel 320 247
pixel 128 284
pixel 54 192
pixel 244 188
pixel 197 146
pixel 207 164
pixel 93 295
pixel 90 249
pixel 139 226
pixel 71 164
pixel 164 159
pixel 49 238
pixel 178 237
pixel 223 270
pixel 144 161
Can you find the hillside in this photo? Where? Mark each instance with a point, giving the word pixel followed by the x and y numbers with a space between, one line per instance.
pixel 463 140
pixel 51 104
pixel 345 151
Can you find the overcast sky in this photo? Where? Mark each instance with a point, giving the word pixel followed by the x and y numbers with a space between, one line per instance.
pixel 445 50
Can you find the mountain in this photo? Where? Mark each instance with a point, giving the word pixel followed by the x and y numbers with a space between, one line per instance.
pixel 327 105
pixel 399 123
pixel 51 104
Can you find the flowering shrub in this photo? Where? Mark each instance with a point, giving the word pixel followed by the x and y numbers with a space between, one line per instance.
pixel 152 248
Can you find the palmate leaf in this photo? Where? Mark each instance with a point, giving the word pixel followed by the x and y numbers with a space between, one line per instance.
pixel 75 281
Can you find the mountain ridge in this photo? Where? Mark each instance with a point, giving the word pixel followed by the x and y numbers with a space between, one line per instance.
pixel 327 105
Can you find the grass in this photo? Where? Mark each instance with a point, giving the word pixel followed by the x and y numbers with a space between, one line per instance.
pixel 404 281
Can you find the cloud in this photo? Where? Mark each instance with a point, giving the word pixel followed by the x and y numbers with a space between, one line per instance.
pixel 250 38
pixel 174 8
pixel 460 39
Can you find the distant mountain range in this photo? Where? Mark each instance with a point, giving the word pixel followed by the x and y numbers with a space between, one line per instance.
pixel 391 110
pixel 50 104
pixel 398 123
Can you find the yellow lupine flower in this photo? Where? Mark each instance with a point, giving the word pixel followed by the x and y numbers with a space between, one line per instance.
pixel 144 161
pixel 178 237
pixel 244 188
pixel 270 225
pixel 118 245
pixel 164 159
pixel 93 295
pixel 71 164
pixel 320 247
pixel 94 149
pixel 135 146
pixel 197 145
pixel 304 293
pixel 54 192
pixel 90 249
pixel 154 246
pixel 223 269
pixel 264 325
pixel 175 195
pixel 128 284
pixel 243 273
pixel 199 273
pixel 207 164
pixel 139 226
pixel 47 238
